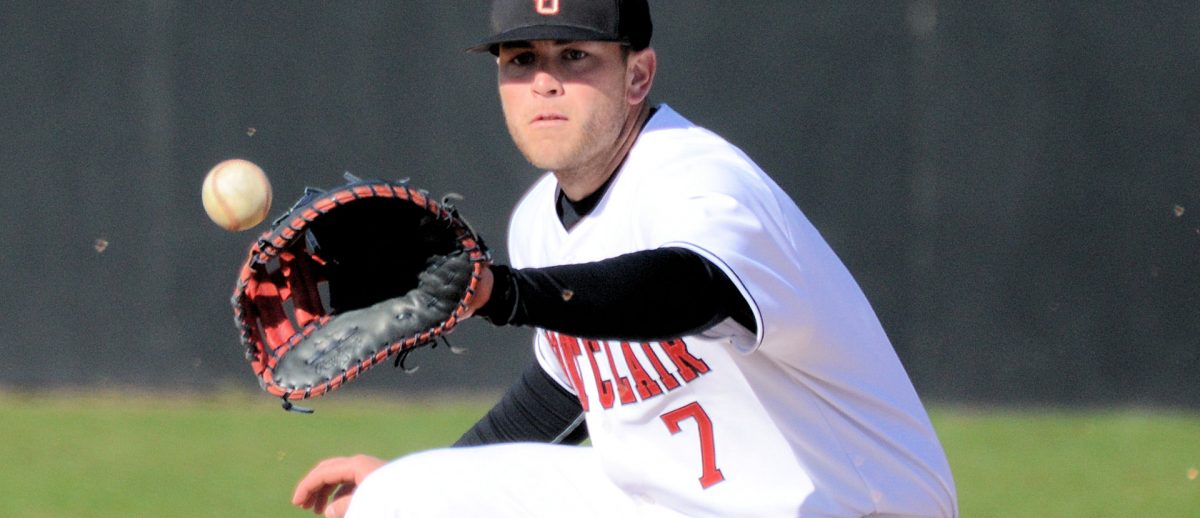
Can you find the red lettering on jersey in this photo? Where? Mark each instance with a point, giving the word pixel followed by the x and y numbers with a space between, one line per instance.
pixel 646 386
pixel 710 474
pixel 689 366
pixel 546 7
pixel 552 339
pixel 668 379
pixel 623 388
pixel 603 386
pixel 640 383
pixel 567 351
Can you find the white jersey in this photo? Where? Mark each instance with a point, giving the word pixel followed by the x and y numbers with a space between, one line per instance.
pixel 812 415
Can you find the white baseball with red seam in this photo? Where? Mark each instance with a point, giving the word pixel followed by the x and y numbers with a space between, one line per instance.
pixel 236 194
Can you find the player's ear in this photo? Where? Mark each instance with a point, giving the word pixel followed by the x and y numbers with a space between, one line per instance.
pixel 639 76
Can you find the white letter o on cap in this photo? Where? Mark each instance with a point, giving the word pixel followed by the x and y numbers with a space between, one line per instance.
pixel 546 7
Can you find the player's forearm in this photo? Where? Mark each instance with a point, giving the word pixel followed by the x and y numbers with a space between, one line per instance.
pixel 652 294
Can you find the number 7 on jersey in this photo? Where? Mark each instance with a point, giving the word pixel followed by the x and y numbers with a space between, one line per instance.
pixel 709 474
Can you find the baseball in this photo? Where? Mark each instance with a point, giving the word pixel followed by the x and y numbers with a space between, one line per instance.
pixel 236 194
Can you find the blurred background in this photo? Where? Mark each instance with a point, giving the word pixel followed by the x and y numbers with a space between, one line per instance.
pixel 1015 185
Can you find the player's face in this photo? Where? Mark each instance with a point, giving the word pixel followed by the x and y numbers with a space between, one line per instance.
pixel 565 102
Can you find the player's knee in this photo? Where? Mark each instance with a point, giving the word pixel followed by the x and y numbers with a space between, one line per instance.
pixel 414 485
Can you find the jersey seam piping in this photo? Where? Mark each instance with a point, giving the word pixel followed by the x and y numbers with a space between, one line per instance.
pixel 570 429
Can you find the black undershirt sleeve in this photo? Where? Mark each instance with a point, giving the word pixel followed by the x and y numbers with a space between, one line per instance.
pixel 535 409
pixel 647 295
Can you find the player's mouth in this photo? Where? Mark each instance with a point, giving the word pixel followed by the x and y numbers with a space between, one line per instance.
pixel 547 120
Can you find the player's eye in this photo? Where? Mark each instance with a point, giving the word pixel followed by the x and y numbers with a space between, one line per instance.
pixel 574 54
pixel 522 59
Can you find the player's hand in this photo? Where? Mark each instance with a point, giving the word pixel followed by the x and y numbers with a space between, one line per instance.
pixel 328 487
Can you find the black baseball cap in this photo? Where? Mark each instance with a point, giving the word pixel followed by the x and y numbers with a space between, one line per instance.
pixel 622 21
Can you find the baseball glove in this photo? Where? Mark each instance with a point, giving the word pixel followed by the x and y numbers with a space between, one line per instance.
pixel 349 277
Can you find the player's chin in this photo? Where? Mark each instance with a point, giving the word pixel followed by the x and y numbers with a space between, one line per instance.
pixel 546 153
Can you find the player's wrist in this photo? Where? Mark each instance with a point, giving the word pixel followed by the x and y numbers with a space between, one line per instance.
pixel 495 298
pixel 483 290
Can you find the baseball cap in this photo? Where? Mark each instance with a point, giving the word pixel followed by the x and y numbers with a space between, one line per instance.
pixel 623 21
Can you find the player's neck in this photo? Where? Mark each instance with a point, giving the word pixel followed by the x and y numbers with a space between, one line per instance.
pixel 577 184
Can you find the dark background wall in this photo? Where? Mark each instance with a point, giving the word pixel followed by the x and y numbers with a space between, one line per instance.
pixel 1016 185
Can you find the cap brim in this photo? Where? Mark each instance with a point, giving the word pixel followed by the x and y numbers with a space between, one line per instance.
pixel 540 32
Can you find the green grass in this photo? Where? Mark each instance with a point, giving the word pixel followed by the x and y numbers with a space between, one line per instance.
pixel 1120 463
pixel 119 455
pixel 239 455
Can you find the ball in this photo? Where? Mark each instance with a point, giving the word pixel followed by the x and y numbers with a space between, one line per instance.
pixel 236 194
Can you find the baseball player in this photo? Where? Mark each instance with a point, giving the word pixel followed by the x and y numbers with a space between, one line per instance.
pixel 688 318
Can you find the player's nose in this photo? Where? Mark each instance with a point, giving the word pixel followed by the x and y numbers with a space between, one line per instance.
pixel 546 83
